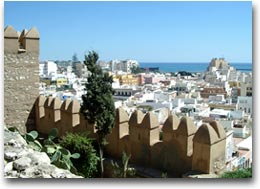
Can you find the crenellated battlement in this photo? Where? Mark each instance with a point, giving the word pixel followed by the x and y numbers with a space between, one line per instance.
pixel 182 149
pixel 16 42
pixel 21 77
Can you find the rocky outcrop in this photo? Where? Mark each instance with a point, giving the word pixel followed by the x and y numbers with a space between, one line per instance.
pixel 23 162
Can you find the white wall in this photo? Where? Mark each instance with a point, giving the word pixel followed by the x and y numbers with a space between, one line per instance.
pixel 48 69
pixel 217 98
pixel 229 145
pixel 177 103
pixel 240 132
pixel 245 103
pixel 161 96
pixel 238 114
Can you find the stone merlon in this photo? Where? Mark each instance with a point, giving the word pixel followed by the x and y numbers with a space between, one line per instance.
pixel 16 42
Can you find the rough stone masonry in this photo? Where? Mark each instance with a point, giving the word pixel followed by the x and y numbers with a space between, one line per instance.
pixel 21 161
pixel 21 77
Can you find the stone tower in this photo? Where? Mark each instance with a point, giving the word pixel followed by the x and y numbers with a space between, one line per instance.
pixel 21 77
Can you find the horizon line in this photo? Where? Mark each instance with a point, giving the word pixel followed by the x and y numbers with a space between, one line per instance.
pixel 192 62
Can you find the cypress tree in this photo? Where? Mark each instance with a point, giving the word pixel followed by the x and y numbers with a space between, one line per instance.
pixel 98 105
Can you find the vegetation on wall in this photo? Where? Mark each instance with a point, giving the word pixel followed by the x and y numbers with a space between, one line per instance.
pixel 59 156
pixel 31 139
pixel 124 170
pixel 74 152
pixel 87 163
pixel 240 173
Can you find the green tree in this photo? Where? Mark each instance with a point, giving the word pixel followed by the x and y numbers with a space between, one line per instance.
pixel 75 58
pixel 98 105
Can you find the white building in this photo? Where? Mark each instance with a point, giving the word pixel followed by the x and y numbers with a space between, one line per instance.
pixel 244 158
pixel 237 114
pixel 217 99
pixel 232 75
pixel 246 88
pixel 219 113
pixel 123 65
pixel 116 84
pixel 177 103
pixel 70 75
pixel 41 69
pixel 126 91
pixel 245 77
pixel 161 96
pixel 112 65
pixel 182 86
pixel 229 149
pixel 144 96
pixel 84 72
pixel 245 103
pixel 240 130
pixel 48 69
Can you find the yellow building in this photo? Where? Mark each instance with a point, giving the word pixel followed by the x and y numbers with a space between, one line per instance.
pixel 234 84
pixel 128 79
pixel 61 81
pixel 47 81
pixel 115 78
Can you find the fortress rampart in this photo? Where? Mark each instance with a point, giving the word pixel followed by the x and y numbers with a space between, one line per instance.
pixel 21 77
pixel 183 148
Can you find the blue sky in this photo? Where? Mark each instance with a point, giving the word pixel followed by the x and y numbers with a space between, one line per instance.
pixel 145 31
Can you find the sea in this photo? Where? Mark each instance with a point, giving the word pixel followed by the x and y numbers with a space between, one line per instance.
pixel 191 67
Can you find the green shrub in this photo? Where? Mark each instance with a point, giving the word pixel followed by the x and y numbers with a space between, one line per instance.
pixel 87 163
pixel 240 173
pixel 59 156
pixel 30 138
pixel 123 171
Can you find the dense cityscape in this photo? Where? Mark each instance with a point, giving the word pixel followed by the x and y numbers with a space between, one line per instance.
pixel 220 93
pixel 165 90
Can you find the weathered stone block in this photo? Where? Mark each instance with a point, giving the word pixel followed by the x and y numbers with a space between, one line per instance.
pixel 22 163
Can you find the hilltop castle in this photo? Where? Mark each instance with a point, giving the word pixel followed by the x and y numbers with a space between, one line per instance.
pixel 183 148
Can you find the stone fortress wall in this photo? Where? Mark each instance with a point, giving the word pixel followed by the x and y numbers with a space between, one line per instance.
pixel 21 77
pixel 183 148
